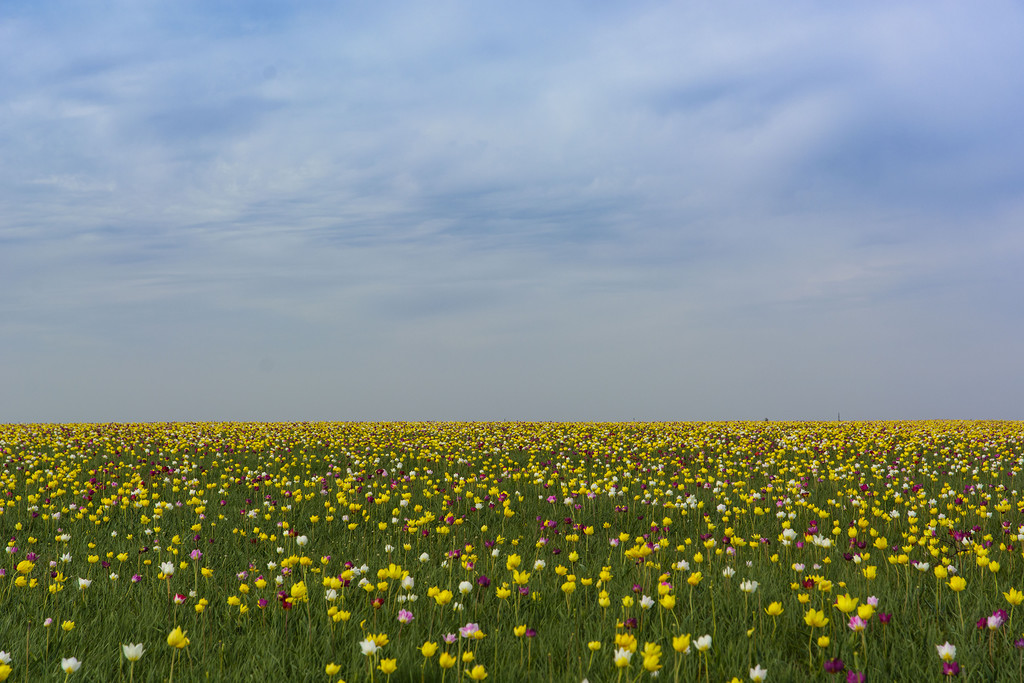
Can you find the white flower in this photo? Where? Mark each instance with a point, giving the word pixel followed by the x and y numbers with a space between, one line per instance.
pixel 703 643
pixel 5 658
pixel 622 655
pixel 749 586
pixel 389 548
pixel 368 646
pixel 682 565
pixel 757 674
pixel 465 587
pixel 728 572
pixel 408 582
pixel 70 665
pixel 301 541
pixel 424 558
pixel 538 565
pixel 133 653
pixel 331 595
pixel 646 602
pixel 947 652
pixel 84 583
pixel 114 577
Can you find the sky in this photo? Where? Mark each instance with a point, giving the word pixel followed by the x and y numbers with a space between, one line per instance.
pixel 511 210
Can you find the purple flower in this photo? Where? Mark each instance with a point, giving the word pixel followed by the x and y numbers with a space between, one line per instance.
pixel 950 669
pixel 855 677
pixel 834 666
pixel 530 633
pixel 884 617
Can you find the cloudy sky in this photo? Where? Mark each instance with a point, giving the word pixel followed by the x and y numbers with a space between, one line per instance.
pixel 511 210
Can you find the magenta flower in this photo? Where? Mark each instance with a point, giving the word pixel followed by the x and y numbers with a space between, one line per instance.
pixel 855 677
pixel 834 666
pixel 404 616
pixel 857 624
pixel 950 669
pixel 450 638
pixel 468 630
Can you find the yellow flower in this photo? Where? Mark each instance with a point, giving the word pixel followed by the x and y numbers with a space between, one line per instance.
pixel 823 641
pixel 478 673
pixel 299 591
pixel 625 641
pixel 940 572
pixel 694 578
pixel 651 663
pixel 957 583
pixel 668 602
pixel 446 661
pixel 846 604
pixel 519 630
pixel 176 638
pixel 5 671
pixel 681 643
pixel 332 669
pixel 388 666
pixel 774 609
pixel 865 611
pixel 67 625
pixel 870 572
pixel 1014 597
pixel 815 618
pixel 24 567
pixel 594 645
pixel 428 649
pixel 467 656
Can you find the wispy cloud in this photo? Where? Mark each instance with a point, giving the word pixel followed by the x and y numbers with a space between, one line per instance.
pixel 504 211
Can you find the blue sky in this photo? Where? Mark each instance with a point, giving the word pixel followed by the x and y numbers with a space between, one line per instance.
pixel 529 210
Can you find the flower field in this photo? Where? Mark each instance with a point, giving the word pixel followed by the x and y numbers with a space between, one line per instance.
pixel 392 552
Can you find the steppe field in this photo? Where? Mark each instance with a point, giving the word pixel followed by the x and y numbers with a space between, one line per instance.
pixel 394 552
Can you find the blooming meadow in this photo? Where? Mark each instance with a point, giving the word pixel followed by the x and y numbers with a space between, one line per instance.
pixel 394 552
